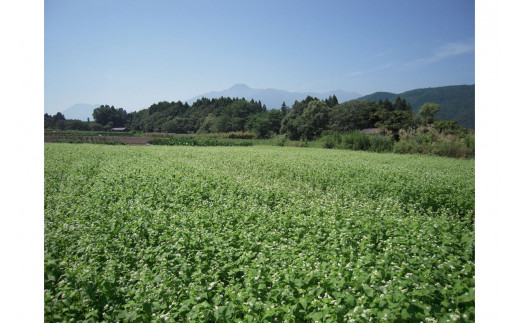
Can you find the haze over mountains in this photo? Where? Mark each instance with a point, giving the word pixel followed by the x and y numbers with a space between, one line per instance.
pixel 273 98
pixel 457 102
pixel 80 111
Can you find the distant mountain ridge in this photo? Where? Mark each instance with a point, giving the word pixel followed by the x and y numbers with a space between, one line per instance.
pixel 272 98
pixel 457 101
pixel 80 111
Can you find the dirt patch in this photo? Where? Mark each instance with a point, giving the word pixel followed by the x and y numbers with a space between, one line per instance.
pixel 128 140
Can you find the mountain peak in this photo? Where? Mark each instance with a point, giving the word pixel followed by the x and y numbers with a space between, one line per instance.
pixel 240 86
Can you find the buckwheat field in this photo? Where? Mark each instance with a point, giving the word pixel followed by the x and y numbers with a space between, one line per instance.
pixel 260 233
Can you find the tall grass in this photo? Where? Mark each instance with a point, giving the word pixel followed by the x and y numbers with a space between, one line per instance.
pixel 199 141
pixel 423 140
pixel 357 140
pixel 429 141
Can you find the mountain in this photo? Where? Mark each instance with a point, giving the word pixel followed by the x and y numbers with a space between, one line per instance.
pixel 272 98
pixel 80 111
pixel 457 101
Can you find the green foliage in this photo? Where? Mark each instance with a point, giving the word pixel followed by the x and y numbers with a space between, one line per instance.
pixel 203 116
pixel 357 140
pixel 449 127
pixel 256 234
pixel 314 120
pixel 110 116
pixel 307 119
pixel 284 109
pixel 381 143
pixel 198 141
pixel 427 112
pixel 395 120
pixel 59 121
pixel 354 115
pixel 457 102
pixel 429 140
pixel 264 124
pixel 235 135
pixel 291 124
pixel 279 140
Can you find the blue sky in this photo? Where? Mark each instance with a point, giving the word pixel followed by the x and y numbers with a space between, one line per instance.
pixel 131 54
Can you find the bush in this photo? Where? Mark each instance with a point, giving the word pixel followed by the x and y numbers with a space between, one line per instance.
pixel 230 135
pixel 198 141
pixel 381 143
pixel 241 135
pixel 279 140
pixel 430 141
pixel 332 140
pixel 356 140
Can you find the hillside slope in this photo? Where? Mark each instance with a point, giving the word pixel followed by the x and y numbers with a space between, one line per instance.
pixel 457 102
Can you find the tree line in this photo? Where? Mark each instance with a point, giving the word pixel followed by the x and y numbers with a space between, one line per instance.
pixel 304 120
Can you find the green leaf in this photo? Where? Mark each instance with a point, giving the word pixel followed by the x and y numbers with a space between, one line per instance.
pixel 350 301
pixel 303 301
pixel 147 308
pixel 404 314
pixel 468 297
pixel 368 290
pixel 316 316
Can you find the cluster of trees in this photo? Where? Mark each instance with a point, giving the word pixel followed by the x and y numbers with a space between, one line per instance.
pixel 58 121
pixel 105 118
pixel 309 118
pixel 110 117
pixel 305 120
pixel 205 116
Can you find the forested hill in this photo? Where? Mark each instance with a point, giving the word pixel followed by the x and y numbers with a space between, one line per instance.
pixel 457 102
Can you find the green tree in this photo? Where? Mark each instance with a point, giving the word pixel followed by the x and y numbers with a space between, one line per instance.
pixel 314 119
pixel 258 123
pixel 290 124
pixel 109 116
pixel 103 114
pixel 332 101
pixel 448 126
pixel 48 121
pixel 58 116
pixel 354 115
pixel 395 121
pixel 284 109
pixel 427 112
pixel 402 105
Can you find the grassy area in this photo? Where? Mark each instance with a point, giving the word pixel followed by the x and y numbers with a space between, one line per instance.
pixel 420 141
pixel 259 233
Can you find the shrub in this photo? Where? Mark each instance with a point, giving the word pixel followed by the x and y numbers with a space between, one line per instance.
pixel 241 135
pixel 332 140
pixel 198 141
pixel 381 143
pixel 356 140
pixel 428 140
pixel 279 140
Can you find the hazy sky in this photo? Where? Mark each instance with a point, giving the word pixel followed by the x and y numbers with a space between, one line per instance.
pixel 131 54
